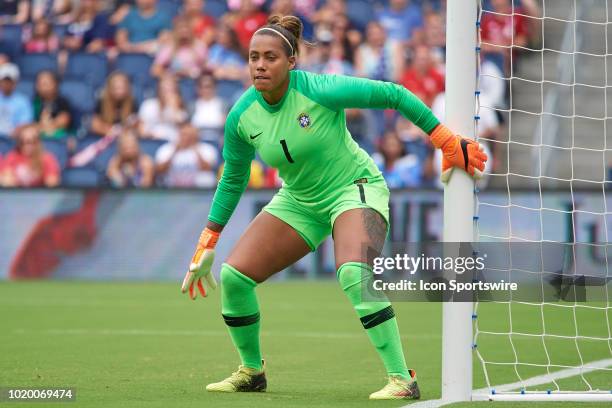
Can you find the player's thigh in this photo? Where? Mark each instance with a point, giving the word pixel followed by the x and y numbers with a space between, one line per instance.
pixel 268 246
pixel 359 236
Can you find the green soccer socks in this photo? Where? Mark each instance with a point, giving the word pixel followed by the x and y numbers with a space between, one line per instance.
pixel 376 317
pixel 240 311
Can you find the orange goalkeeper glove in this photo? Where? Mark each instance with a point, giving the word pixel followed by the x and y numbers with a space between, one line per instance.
pixel 201 264
pixel 459 152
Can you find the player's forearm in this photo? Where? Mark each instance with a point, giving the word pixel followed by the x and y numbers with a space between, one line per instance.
pixel 231 186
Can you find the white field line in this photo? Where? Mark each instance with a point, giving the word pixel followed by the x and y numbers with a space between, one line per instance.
pixel 149 332
pixel 482 393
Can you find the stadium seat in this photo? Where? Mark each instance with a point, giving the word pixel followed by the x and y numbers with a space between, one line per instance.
pixel 81 97
pixel 26 87
pixel 188 89
pixel 215 8
pixel 81 177
pixel 150 146
pixel 229 90
pixel 58 148
pixel 359 12
pixel 31 64
pixel 91 68
pixel 79 94
pixel 6 144
pixel 10 40
pixel 135 66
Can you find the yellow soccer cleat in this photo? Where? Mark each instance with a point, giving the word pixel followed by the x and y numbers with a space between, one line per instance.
pixel 398 388
pixel 244 380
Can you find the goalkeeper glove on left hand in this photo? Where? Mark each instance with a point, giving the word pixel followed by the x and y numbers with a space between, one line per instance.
pixel 459 152
pixel 201 264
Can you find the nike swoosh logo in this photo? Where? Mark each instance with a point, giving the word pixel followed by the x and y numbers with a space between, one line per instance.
pixel 254 136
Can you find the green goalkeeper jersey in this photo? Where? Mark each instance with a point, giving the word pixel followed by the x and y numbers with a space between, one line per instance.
pixel 305 137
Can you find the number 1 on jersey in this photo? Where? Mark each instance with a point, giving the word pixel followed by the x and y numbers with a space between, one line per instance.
pixel 286 150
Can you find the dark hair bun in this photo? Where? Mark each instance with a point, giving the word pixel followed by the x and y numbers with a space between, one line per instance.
pixel 290 23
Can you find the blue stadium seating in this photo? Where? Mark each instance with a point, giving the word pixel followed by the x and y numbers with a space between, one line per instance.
pixel 135 66
pixel 81 177
pixel 150 146
pixel 229 90
pixel 359 12
pixel 31 64
pixel 6 144
pixel 26 87
pixel 188 89
pixel 79 94
pixel 91 68
pixel 215 8
pixel 10 40
pixel 59 149
pixel 60 30
pixel 81 97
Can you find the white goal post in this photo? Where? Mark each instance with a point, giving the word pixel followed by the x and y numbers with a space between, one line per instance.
pixel 460 331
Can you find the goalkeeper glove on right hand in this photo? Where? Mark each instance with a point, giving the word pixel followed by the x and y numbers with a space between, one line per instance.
pixel 201 264
pixel 459 152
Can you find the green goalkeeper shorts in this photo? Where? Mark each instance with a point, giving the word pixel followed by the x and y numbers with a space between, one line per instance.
pixel 314 221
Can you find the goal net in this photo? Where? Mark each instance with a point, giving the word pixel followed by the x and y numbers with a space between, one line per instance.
pixel 552 159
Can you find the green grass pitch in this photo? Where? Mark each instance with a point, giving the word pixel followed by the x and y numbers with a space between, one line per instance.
pixel 145 344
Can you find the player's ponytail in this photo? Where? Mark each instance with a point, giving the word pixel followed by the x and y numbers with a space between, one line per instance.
pixel 289 28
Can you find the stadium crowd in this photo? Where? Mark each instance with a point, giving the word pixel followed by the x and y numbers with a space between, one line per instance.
pixel 135 92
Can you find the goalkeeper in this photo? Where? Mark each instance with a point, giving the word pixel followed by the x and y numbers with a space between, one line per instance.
pixel 296 121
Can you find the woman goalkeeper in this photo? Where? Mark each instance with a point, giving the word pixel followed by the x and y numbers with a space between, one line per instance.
pixel 295 120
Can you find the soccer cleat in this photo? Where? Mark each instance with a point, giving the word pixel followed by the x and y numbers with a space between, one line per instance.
pixel 244 380
pixel 398 388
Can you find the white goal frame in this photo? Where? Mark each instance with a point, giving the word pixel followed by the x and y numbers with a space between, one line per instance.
pixel 459 226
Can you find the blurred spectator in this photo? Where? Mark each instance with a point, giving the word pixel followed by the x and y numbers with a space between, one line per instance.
pixel 398 168
pixel 209 112
pixel 51 110
pixel 202 25
pixel 29 165
pixel 328 12
pixel 143 28
pixel 492 83
pixel 187 162
pixel 184 55
pixel 345 36
pixel 130 167
pixel 40 37
pixel 53 11
pixel 502 29
pixel 15 108
pixel 378 57
pixel 90 29
pixel 434 35
pixel 328 57
pixel 249 19
pixel 224 57
pixel 422 77
pixel 234 5
pixel 116 105
pixel 288 8
pixel 400 19
pixel 415 141
pixel 14 11
pixel 160 116
pixel 118 9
